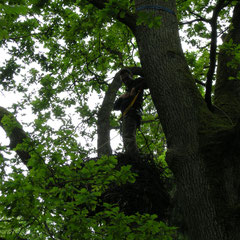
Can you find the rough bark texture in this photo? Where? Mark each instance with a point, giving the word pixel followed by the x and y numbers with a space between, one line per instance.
pixel 182 112
pixel 227 91
pixel 227 101
pixel 213 50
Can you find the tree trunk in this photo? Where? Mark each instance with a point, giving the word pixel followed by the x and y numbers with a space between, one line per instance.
pixel 227 90
pixel 189 127
pixel 227 103
pixel 203 147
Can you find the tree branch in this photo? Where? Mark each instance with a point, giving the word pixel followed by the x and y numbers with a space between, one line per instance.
pixel 213 49
pixel 200 82
pixel 226 94
pixel 200 17
pixel 15 133
pixel 192 21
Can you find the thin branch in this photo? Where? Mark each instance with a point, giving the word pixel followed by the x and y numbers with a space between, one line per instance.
pixel 146 141
pixel 200 17
pixel 213 49
pixel 219 34
pixel 48 230
pixel 190 22
pixel 200 82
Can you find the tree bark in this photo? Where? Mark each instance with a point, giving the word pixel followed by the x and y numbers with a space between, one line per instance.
pixel 203 147
pixel 227 89
pixel 227 103
pixel 181 110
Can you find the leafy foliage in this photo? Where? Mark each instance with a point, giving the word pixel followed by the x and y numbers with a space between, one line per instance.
pixel 63 201
pixel 61 55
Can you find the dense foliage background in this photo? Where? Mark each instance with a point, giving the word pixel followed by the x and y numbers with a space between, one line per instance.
pixel 60 72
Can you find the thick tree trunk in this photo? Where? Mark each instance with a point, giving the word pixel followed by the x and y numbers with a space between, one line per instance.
pixel 203 147
pixel 227 103
pixel 181 110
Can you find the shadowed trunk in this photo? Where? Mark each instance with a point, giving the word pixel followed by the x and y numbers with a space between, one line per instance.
pixel 189 127
pixel 227 101
pixel 227 90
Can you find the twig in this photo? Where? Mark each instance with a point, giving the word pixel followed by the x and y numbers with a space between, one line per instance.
pixel 200 82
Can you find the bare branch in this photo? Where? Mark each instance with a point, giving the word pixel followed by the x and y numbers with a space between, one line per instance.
pixel 190 22
pixel 200 17
pixel 213 50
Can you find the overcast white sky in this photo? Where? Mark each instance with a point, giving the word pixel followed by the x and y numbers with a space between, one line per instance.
pixel 7 99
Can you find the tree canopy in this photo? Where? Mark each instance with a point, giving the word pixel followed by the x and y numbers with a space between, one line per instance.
pixel 62 60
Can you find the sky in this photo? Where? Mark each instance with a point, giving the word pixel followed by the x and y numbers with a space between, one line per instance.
pixel 7 99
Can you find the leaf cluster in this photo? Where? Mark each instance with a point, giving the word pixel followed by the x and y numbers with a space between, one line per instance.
pixel 65 202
